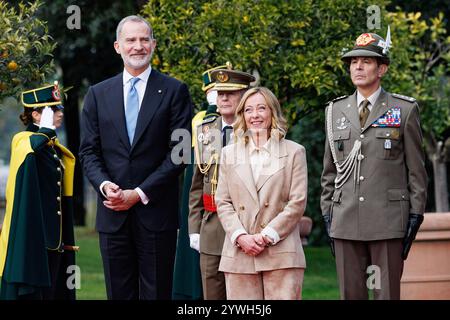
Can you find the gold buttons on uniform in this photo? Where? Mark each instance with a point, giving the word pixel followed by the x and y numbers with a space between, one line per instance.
pixel 241 208
pixel 361 178
pixel 361 199
pixel 362 136
pixel 263 225
pixel 266 204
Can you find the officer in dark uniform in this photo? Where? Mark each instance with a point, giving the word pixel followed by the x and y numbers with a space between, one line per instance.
pixel 205 230
pixel 374 180
pixel 37 240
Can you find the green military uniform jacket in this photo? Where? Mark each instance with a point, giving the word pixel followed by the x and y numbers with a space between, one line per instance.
pixel 38 215
pixel 390 181
pixel 201 220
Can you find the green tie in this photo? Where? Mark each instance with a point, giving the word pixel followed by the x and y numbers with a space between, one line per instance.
pixel 364 113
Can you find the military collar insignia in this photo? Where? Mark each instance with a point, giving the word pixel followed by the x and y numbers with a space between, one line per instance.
pixel 399 96
pixel 365 39
pixel 391 119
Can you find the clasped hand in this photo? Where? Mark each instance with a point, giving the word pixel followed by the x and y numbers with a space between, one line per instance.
pixel 253 244
pixel 118 199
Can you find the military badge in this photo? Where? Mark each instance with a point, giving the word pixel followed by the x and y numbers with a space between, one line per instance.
pixel 342 123
pixel 200 137
pixel 222 76
pixel 392 118
pixel 365 39
pixel 56 95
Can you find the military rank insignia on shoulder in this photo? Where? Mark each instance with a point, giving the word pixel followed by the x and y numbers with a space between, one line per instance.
pixel 400 96
pixel 209 120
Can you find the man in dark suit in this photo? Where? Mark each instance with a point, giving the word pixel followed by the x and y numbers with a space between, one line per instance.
pixel 126 153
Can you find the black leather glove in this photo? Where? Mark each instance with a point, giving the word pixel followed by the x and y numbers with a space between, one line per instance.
pixel 327 220
pixel 414 222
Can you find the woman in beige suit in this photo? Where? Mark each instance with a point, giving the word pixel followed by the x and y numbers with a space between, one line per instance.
pixel 260 199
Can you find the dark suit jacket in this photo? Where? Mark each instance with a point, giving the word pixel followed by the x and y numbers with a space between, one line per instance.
pixel 106 153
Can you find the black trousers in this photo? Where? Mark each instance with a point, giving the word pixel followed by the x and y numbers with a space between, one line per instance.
pixel 138 263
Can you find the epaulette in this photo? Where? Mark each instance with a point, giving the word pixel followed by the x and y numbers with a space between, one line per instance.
pixel 208 120
pixel 400 96
pixel 337 99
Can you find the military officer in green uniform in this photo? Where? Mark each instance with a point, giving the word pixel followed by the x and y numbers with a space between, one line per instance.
pixel 37 240
pixel 374 180
pixel 205 230
pixel 187 283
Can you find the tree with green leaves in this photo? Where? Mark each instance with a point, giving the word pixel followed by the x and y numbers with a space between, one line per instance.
pixel 25 48
pixel 421 51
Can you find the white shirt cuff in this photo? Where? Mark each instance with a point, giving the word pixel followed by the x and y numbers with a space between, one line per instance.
pixel 101 187
pixel 236 234
pixel 142 195
pixel 271 233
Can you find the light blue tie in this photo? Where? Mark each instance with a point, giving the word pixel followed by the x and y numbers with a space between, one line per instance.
pixel 132 109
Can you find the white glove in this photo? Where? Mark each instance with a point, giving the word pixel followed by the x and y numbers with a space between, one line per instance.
pixel 194 241
pixel 47 118
pixel 211 97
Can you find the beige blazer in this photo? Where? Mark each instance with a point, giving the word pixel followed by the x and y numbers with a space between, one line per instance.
pixel 277 199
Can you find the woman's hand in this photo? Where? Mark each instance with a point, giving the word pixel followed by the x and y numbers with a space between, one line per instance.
pixel 251 244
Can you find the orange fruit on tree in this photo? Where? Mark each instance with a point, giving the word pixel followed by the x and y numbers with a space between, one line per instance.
pixel 12 66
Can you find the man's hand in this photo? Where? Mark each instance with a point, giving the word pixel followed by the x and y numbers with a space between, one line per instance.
pixel 414 222
pixel 327 221
pixel 251 244
pixel 123 202
pixel 113 193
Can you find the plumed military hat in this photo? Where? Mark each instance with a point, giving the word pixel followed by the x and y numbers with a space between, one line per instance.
pixel 231 80
pixel 208 82
pixel 370 45
pixel 49 95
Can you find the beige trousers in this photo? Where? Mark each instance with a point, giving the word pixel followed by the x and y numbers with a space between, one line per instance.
pixel 282 284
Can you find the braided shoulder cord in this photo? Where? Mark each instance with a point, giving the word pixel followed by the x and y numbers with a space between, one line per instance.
pixel 353 160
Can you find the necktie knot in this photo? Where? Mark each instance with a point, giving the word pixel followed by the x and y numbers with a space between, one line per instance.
pixel 133 82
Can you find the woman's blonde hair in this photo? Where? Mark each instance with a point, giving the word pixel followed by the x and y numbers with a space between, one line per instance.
pixel 278 128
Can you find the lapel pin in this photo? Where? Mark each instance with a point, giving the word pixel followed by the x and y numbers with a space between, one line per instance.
pixel 159 91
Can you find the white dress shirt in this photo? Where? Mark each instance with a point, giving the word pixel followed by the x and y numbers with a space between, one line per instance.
pixel 140 86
